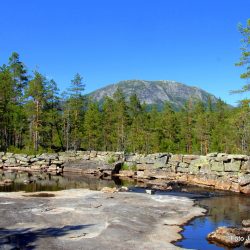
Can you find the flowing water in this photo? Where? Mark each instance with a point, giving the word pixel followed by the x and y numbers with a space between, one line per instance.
pixel 223 209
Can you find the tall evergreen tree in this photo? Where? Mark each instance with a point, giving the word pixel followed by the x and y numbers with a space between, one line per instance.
pixel 53 123
pixel 109 120
pixel 76 106
pixel 121 119
pixel 186 120
pixel 245 55
pixel 168 130
pixel 92 127
pixel 36 94
pixel 7 107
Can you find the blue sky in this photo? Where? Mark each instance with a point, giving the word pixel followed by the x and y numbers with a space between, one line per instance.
pixel 191 41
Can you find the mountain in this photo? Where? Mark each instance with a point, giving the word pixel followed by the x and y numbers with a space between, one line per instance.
pixel 155 92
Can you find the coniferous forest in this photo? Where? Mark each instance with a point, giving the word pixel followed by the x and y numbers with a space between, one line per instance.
pixel 35 118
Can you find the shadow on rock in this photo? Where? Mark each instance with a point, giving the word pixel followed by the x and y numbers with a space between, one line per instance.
pixel 25 238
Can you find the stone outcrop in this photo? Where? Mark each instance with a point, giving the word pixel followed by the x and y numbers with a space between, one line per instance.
pixel 215 170
pixel 228 236
pixel 231 236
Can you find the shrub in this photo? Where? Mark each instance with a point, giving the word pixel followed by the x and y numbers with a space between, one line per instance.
pixel 127 167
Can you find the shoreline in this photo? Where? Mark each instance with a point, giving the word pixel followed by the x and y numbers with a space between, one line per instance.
pixel 145 225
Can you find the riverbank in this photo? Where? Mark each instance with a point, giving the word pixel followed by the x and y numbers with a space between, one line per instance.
pixel 220 171
pixel 78 217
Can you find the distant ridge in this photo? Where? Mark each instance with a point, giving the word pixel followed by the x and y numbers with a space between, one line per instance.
pixel 155 92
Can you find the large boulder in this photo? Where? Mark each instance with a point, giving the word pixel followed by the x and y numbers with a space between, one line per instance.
pixel 246 223
pixel 246 167
pixel 189 158
pixel 161 161
pixel 11 161
pixel 245 189
pixel 217 166
pixel 244 180
pixel 238 157
pixel 197 165
pixel 22 157
pixel 228 236
pixel 233 166
pixel 176 158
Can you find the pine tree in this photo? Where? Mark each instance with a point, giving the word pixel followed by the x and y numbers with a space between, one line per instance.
pixel 121 119
pixel 168 130
pixel 186 120
pixel 53 122
pixel 7 107
pixel 76 106
pixel 36 95
pixel 136 132
pixel 19 74
pixel 92 127
pixel 245 55
pixel 109 132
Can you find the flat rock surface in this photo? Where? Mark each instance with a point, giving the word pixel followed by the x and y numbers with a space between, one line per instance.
pixel 84 219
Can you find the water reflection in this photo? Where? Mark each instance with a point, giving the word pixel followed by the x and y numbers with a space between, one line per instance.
pixel 47 182
pixel 227 210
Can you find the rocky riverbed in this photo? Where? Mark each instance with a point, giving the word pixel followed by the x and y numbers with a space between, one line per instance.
pixel 84 219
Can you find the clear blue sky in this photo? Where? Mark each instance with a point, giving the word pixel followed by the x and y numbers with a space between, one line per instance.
pixel 192 41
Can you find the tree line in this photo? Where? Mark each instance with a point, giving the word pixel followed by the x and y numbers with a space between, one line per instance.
pixel 35 117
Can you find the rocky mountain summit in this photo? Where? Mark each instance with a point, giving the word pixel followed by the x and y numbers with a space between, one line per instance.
pixel 155 92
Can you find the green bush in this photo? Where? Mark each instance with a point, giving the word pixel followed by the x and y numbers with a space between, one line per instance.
pixel 127 167
pixel 111 160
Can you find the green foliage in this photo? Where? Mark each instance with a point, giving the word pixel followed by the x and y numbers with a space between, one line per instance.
pixel 92 127
pixel 35 118
pixel 127 167
pixel 111 160
pixel 245 55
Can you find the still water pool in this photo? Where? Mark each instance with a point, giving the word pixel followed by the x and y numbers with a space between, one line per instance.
pixel 226 210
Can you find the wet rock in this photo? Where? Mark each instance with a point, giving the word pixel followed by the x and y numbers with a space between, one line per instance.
pixel 246 223
pixel 230 237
